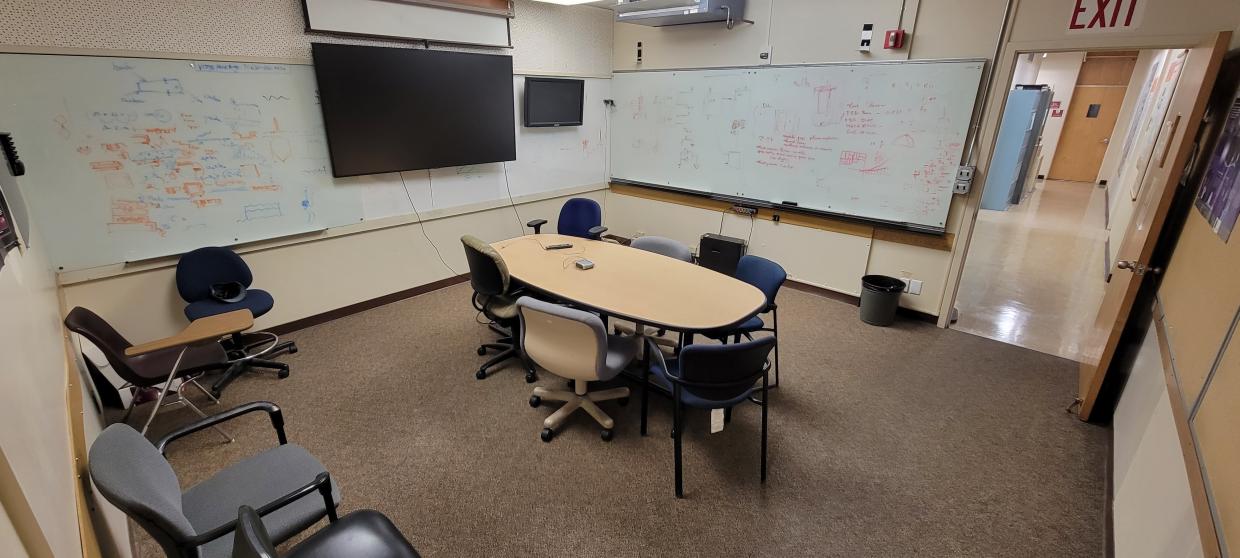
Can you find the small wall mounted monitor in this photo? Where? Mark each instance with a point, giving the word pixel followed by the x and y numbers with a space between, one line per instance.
pixel 554 102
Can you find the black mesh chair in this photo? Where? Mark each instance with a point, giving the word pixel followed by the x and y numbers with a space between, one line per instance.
pixel 361 534
pixel 710 377
pixel 496 299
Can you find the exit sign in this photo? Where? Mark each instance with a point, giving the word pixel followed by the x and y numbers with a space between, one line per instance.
pixel 1105 15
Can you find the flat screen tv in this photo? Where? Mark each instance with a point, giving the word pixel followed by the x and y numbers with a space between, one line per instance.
pixel 553 102
pixel 396 109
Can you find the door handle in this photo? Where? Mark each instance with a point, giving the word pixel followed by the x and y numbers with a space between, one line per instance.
pixel 1137 268
pixel 1106 140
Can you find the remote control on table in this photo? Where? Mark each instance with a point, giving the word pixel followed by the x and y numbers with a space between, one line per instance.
pixel 559 246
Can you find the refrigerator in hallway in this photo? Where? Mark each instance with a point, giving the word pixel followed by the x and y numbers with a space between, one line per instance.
pixel 1019 134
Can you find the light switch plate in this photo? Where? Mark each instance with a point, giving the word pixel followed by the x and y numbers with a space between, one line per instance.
pixel 914 287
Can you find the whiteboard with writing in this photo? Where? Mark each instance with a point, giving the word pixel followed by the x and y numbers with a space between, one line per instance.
pixel 878 141
pixel 129 158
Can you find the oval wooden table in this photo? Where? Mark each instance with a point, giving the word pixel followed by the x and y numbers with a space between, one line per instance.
pixel 640 286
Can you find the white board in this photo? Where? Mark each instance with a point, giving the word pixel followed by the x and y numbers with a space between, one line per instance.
pixel 129 158
pixel 878 141
pixel 386 18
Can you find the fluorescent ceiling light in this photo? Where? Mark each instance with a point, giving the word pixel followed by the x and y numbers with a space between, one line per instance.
pixel 566 2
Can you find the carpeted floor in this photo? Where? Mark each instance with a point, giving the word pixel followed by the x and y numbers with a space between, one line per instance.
pixel 904 441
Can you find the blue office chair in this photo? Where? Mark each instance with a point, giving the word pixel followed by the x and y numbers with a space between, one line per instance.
pixel 580 217
pixel 709 377
pixel 768 277
pixel 216 280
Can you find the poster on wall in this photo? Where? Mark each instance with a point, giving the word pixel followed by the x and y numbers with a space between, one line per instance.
pixel 1218 199
pixel 1151 128
pixel 1139 113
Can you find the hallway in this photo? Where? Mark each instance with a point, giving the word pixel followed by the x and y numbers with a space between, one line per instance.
pixel 1034 273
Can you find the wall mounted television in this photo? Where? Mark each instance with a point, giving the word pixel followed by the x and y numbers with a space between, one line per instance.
pixel 396 109
pixel 554 102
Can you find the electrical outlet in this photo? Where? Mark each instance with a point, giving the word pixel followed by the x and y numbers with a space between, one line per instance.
pixel 914 287
pixel 907 281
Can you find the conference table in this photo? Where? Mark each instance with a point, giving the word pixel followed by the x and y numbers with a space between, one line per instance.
pixel 643 287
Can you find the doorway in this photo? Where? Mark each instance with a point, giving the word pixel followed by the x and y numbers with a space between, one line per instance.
pixel 1039 257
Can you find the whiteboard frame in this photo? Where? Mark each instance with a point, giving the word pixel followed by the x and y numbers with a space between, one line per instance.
pixel 767 204
pixel 310 30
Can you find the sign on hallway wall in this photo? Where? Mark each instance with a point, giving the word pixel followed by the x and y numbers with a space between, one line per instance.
pixel 1089 16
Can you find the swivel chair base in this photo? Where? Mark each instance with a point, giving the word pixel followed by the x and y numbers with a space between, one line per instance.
pixel 239 348
pixel 579 399
pixel 507 349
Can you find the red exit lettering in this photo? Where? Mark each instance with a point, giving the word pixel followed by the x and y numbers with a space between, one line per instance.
pixel 1105 15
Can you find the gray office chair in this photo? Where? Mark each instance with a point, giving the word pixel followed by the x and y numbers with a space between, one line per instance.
pixel 574 344
pixel 361 534
pixel 663 246
pixel 134 476
pixel 494 297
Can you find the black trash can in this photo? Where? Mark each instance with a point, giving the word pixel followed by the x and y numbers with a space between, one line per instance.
pixel 880 298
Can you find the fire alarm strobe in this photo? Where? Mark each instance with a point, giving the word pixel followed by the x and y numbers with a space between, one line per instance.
pixel 894 38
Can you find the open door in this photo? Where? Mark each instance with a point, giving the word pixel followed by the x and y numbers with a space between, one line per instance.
pixel 1166 164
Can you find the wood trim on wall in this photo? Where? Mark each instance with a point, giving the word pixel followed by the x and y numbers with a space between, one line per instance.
pixel 944 242
pixel 77 435
pixel 15 504
pixel 1210 546
pixel 66 278
pixel 343 311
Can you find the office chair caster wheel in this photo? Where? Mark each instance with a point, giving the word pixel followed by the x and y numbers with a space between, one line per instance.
pixel 622 401
pixel 481 374
pixel 606 434
pixel 216 393
pixel 547 434
pixel 282 374
pixel 535 401
pixel 482 351
pixel 530 377
pixel 292 349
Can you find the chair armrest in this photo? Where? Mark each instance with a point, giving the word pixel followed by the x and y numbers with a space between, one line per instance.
pixel 536 224
pixel 597 232
pixel 322 484
pixel 654 356
pixel 209 328
pixel 272 410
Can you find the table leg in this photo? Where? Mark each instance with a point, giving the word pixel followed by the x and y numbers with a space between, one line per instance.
pixel 159 401
pixel 643 363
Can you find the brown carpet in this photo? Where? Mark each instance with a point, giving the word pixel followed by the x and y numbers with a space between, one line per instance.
pixel 903 441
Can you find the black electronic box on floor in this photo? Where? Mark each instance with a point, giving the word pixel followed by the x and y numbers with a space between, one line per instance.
pixel 720 253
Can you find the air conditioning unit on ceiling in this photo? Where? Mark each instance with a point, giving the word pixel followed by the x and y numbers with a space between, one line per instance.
pixel 659 13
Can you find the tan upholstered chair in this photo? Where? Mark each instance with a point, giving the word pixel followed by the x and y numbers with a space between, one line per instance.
pixel 574 344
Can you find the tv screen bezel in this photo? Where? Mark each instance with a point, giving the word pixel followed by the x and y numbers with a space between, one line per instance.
pixel 334 156
pixel 525 103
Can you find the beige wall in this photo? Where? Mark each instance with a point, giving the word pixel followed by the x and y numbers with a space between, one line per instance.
pixel 143 305
pixel 1059 70
pixel 1027 67
pixel 810 31
pixel 32 396
pixel 1154 514
pixel 345 270
pixel 349 268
